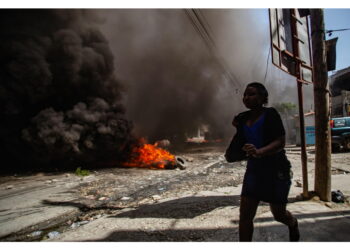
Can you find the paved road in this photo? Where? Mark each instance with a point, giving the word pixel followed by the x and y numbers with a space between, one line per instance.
pixel 196 204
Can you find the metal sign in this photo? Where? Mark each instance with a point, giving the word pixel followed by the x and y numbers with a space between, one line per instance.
pixel 290 43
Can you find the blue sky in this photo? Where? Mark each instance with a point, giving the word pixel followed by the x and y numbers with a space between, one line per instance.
pixel 339 19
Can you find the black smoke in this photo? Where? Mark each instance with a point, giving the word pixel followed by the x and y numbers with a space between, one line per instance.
pixel 60 100
pixel 175 82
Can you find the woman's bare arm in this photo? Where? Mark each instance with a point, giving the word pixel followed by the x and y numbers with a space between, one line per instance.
pixel 272 148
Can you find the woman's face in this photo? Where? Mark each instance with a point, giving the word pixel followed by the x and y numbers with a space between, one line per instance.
pixel 252 99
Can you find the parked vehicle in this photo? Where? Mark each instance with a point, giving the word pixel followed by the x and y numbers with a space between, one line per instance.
pixel 340 130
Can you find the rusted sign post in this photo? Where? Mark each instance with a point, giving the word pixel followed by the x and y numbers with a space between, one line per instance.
pixel 291 52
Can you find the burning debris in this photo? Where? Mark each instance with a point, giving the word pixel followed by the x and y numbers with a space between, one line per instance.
pixel 153 157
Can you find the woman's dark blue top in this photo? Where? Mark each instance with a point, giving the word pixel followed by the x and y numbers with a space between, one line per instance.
pixel 262 179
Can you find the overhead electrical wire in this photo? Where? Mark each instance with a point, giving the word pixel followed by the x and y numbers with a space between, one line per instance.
pixel 330 32
pixel 202 27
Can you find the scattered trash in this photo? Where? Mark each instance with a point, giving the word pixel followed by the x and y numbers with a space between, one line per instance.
pixel 125 198
pixel 161 189
pixel 36 233
pixel 78 224
pixel 103 198
pixel 53 234
pixel 338 196
pixel 74 225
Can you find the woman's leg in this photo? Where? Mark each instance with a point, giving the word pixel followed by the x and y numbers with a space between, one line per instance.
pixel 247 213
pixel 281 214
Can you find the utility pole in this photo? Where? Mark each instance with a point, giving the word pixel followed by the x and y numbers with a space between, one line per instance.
pixel 322 113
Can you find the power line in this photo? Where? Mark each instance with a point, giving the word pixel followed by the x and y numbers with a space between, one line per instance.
pixel 329 32
pixel 202 27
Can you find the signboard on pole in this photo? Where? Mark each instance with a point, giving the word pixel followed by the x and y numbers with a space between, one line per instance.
pixel 290 43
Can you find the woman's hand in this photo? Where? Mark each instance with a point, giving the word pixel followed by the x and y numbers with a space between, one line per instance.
pixel 251 150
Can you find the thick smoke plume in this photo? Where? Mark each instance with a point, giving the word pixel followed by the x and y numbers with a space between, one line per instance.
pixel 61 100
pixel 59 96
pixel 176 83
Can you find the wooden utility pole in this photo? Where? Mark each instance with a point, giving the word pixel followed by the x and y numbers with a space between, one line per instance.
pixel 297 61
pixel 322 113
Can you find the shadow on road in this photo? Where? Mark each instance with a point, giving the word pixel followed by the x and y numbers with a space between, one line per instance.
pixel 188 207
pixel 324 230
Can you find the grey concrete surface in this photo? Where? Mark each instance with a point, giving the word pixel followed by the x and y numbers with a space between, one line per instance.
pixel 317 221
pixel 206 215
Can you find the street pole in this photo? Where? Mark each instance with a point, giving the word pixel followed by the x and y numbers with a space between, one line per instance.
pixel 303 141
pixel 321 103
pixel 296 54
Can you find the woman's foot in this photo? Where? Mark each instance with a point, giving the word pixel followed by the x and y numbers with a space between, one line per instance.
pixel 294 233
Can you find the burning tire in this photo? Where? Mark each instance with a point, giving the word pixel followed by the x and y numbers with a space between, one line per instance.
pixel 180 162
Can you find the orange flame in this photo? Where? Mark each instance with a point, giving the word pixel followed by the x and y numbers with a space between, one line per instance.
pixel 150 156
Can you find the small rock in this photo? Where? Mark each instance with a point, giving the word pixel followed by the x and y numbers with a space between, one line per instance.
pixel 98 216
pixel 9 187
pixel 190 159
pixel 36 233
pixel 156 197
pixel 329 204
pixel 161 189
pixel 54 180
pixel 102 198
pixel 53 234
pixel 90 197
pixel 67 175
pixel 48 181
pixel 125 198
pixel 316 198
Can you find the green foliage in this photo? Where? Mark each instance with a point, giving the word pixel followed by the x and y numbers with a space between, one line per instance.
pixel 82 172
pixel 285 108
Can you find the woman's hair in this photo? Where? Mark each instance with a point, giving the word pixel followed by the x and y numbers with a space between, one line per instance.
pixel 261 90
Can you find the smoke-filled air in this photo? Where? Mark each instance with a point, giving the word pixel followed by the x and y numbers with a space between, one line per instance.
pixel 60 98
pixel 80 87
